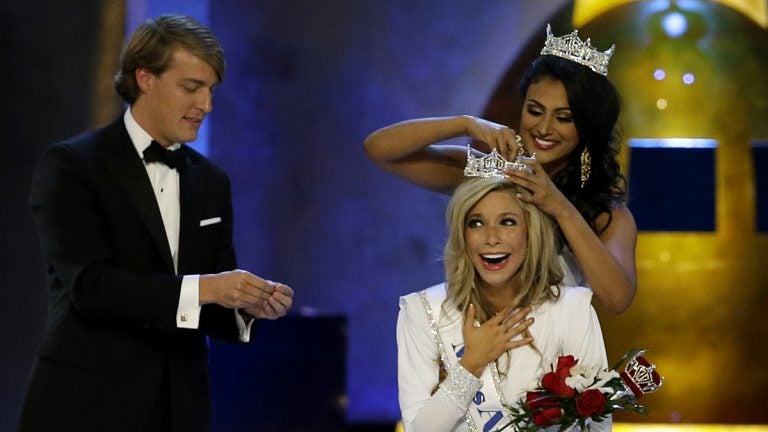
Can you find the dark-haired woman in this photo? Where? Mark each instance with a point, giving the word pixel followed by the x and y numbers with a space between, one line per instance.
pixel 568 120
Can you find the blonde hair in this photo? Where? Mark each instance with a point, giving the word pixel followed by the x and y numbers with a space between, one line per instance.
pixel 540 271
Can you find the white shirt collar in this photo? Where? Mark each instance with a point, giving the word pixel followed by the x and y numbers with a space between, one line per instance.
pixel 140 138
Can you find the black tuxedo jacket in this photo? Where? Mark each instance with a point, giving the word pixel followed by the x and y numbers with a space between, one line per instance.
pixel 111 337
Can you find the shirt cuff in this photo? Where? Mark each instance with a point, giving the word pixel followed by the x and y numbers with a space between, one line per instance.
pixel 461 385
pixel 188 313
pixel 244 326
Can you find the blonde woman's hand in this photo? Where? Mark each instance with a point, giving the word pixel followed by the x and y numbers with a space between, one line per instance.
pixel 494 135
pixel 488 341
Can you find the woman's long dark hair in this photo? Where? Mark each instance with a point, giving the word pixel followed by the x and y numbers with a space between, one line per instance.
pixel 595 105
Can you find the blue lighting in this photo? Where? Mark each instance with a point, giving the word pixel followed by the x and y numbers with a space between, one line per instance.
pixel 651 7
pixel 675 24
pixel 700 143
pixel 659 74
pixel 689 78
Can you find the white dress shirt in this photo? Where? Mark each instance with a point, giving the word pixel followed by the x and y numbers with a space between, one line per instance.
pixel 165 183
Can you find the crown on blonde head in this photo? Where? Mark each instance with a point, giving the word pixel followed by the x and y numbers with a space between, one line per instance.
pixel 492 165
pixel 572 48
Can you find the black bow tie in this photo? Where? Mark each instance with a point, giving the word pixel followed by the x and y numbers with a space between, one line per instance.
pixel 157 153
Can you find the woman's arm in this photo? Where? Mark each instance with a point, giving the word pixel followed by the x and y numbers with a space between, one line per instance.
pixel 607 260
pixel 410 149
pixel 426 404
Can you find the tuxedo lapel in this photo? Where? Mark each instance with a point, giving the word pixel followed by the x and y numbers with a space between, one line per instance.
pixel 121 160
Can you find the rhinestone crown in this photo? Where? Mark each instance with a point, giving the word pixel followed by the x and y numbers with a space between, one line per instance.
pixel 492 165
pixel 641 376
pixel 572 48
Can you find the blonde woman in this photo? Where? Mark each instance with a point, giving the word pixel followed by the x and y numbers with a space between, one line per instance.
pixel 470 345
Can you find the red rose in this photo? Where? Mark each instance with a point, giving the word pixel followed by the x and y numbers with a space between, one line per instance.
pixel 538 399
pixel 547 416
pixel 551 382
pixel 555 381
pixel 590 402
pixel 564 365
pixel 544 408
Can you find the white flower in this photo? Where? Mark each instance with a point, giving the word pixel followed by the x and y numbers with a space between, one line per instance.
pixel 585 370
pixel 602 378
pixel 578 382
pixel 582 377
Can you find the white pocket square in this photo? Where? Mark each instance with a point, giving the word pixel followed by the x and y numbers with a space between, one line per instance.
pixel 210 221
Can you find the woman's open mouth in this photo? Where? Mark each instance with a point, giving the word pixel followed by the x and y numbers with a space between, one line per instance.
pixel 494 261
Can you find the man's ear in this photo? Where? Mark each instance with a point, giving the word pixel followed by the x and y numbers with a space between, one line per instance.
pixel 144 79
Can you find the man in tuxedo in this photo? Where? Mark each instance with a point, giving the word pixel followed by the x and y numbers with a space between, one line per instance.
pixel 136 231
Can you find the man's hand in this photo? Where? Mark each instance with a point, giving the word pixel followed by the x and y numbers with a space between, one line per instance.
pixel 276 305
pixel 235 289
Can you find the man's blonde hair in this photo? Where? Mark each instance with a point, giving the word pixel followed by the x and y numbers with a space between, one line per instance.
pixel 152 45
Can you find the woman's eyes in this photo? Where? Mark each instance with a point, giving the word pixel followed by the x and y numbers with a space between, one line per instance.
pixel 535 112
pixel 509 222
pixel 561 118
pixel 474 223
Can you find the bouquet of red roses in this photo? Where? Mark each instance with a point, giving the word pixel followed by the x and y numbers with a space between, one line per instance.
pixel 571 394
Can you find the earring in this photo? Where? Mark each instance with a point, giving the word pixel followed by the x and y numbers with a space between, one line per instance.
pixel 520 146
pixel 586 166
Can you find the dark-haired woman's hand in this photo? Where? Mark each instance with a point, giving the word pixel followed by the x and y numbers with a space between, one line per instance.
pixel 543 193
pixel 493 135
pixel 488 341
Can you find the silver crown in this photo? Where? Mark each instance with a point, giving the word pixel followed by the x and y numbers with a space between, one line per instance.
pixel 572 48
pixel 640 375
pixel 493 165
